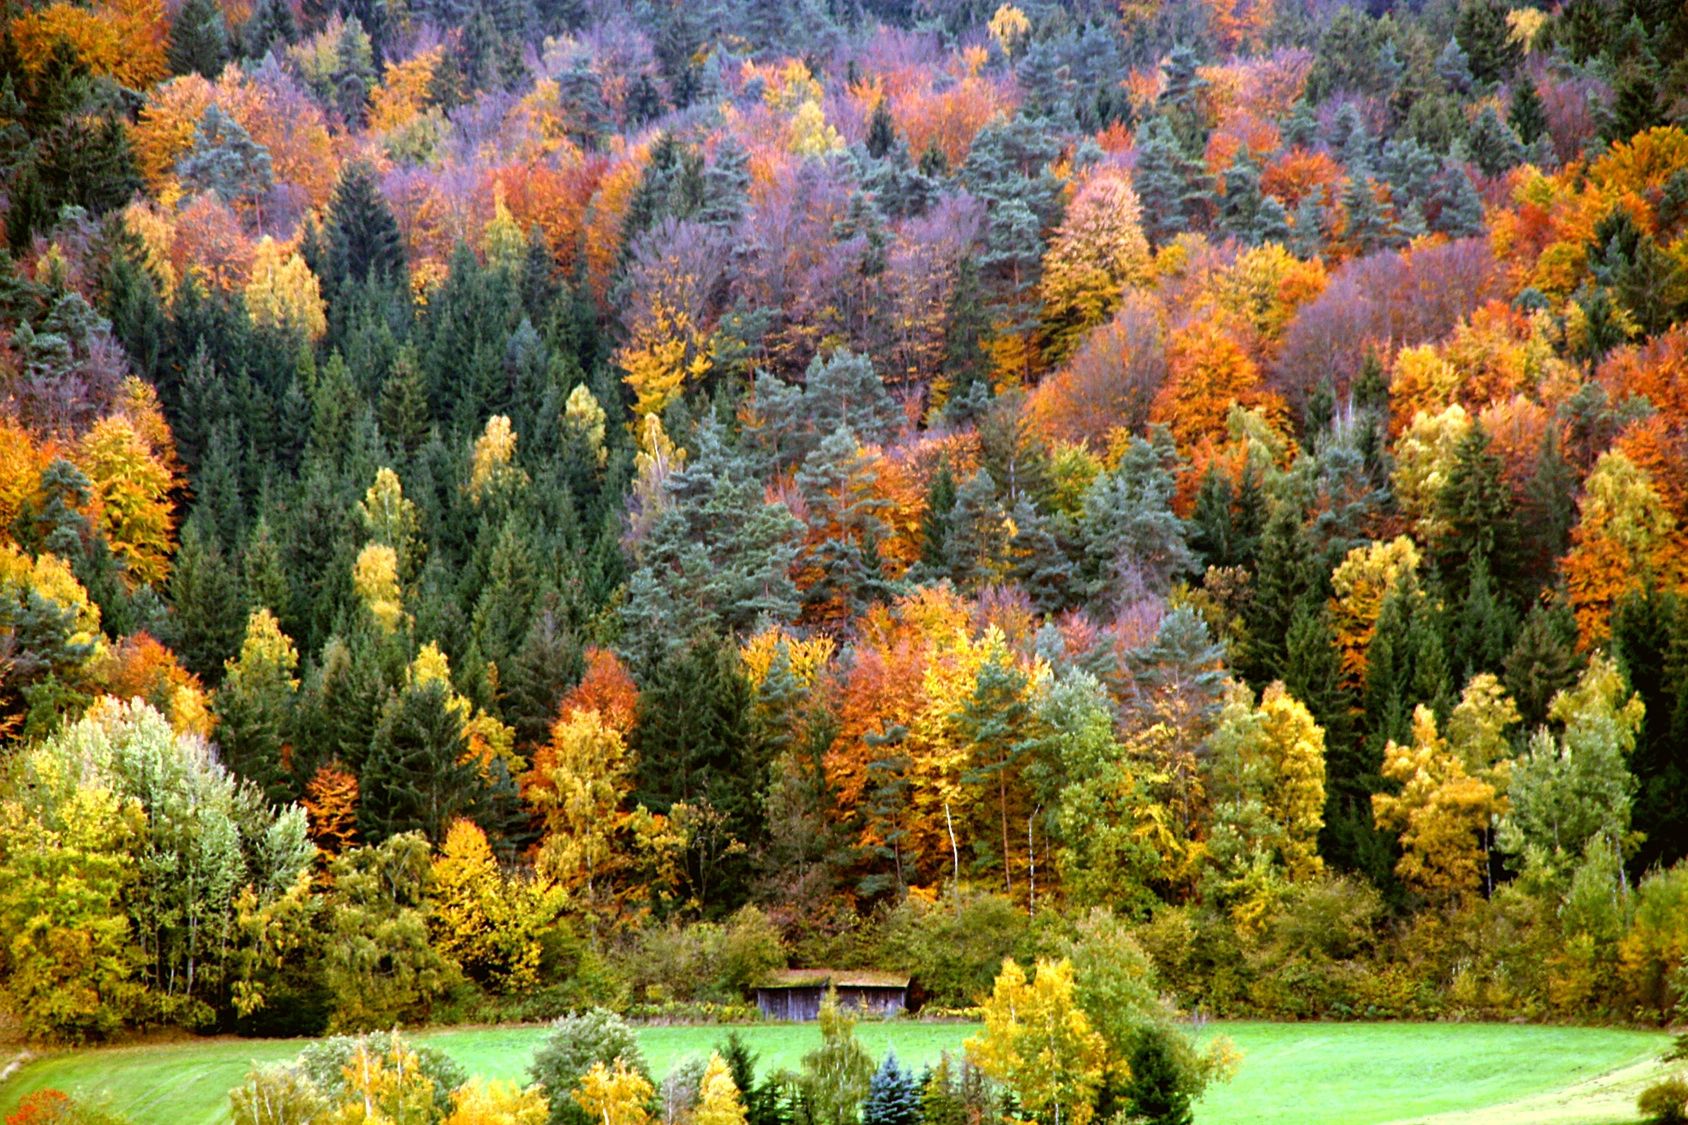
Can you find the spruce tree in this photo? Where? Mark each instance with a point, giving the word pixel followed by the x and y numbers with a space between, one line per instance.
pixel 1283 579
pixel 1476 507
pixel 892 1096
pixel 209 616
pixel 1543 662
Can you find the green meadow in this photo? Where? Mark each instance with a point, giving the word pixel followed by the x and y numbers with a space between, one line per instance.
pixel 1349 1073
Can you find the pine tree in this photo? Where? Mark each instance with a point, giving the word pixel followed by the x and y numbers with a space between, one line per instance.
pixel 1133 540
pixel 199 39
pixel 892 1096
pixel 225 159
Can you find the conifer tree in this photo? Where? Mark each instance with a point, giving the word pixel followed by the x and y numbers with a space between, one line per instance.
pixel 199 39
pixel 1494 146
pixel 892 1096
pixel 225 159
pixel 415 778
pixel 1526 114
pixel 364 244
pixel 1483 34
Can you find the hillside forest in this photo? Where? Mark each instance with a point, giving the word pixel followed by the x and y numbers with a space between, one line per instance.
pixel 512 507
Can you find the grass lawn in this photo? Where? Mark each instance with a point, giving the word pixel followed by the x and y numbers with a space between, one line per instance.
pixel 1449 1073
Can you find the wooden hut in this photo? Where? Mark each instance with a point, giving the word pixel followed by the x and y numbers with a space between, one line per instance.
pixel 795 994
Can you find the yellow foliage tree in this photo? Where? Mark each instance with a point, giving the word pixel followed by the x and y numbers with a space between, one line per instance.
pixel 375 578
pixel 618 1096
pixel 1452 791
pixel 1039 1043
pixel 1360 583
pixel 1424 456
pixel 131 494
pixel 1009 27
pixel 389 517
pixel 492 467
pixel 482 1101
pixel 122 39
pixel 718 1101
pixel 1625 538
pixel 665 351
pixel 491 925
pixel 584 417
pixel 284 293
pixel 1098 252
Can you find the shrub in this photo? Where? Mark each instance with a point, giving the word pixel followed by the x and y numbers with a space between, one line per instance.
pixel 575 1044
pixel 955 949
pixel 1665 1101
pixel 275 1095
pixel 54 1107
pixel 323 1066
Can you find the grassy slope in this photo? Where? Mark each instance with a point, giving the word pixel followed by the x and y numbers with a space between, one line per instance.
pixel 1290 1072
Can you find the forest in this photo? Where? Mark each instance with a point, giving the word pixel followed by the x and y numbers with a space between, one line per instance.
pixel 512 508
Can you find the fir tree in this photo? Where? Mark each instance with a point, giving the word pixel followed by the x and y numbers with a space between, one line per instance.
pixel 364 244
pixel 272 26
pixel 1494 146
pixel 881 131
pixel 1457 207
pixel 1486 38
pixel 1526 114
pixel 199 39
pixel 415 777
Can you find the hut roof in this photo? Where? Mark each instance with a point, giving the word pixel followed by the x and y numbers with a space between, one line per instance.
pixel 838 978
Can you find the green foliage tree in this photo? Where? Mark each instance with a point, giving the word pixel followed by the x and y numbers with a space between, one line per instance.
pixel 378 963
pixel 574 1045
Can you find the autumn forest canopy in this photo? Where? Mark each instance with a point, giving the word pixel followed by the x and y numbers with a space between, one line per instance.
pixel 512 507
